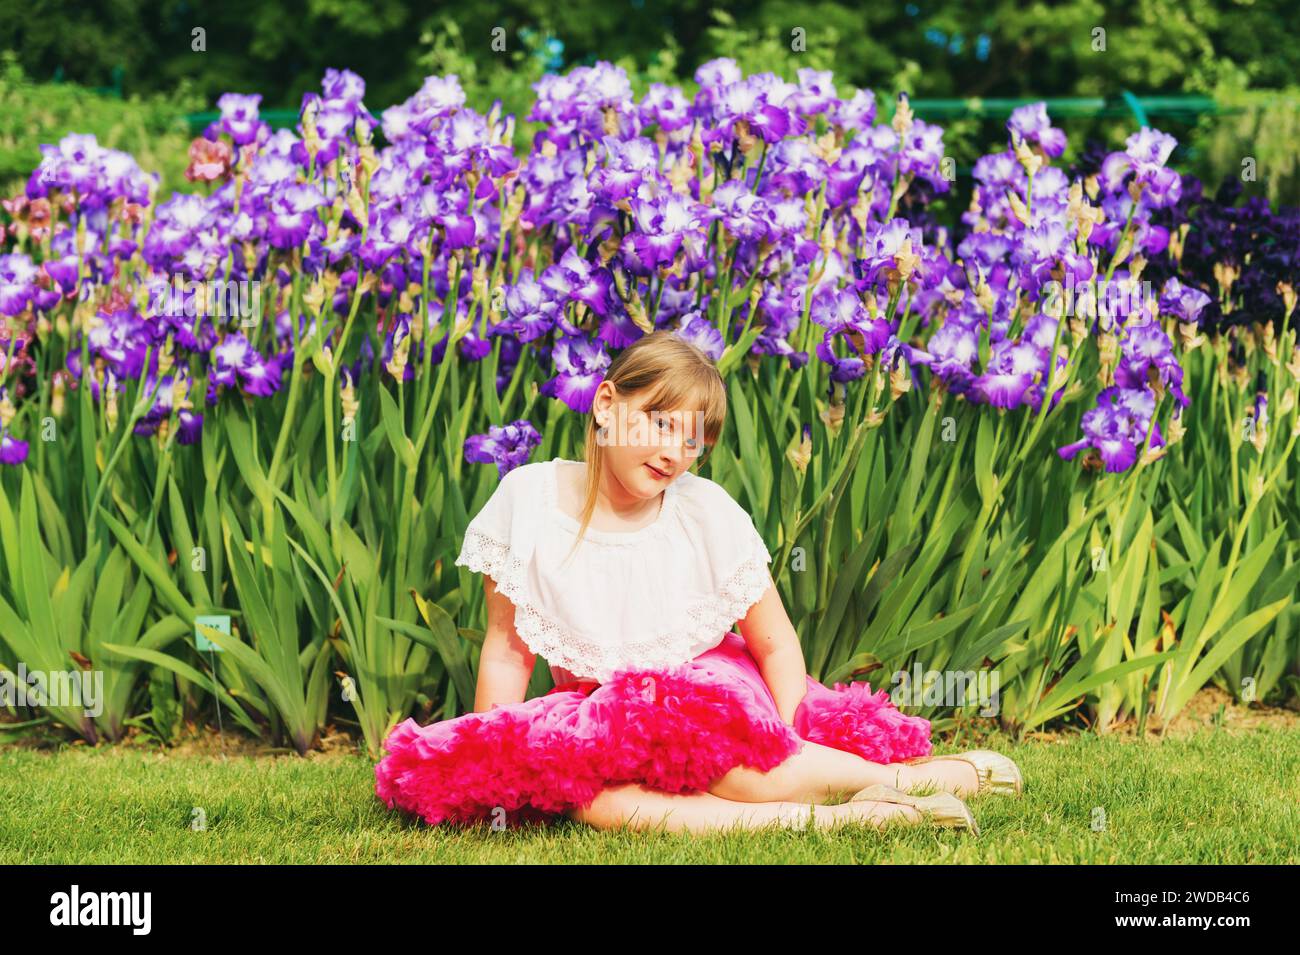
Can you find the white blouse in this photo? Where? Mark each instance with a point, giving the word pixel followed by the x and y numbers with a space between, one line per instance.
pixel 656 596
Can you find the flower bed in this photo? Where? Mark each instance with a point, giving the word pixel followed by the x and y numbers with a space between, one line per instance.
pixel 1059 441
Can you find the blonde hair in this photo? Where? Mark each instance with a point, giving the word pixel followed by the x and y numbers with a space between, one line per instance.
pixel 671 373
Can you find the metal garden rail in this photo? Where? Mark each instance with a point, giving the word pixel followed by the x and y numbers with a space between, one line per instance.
pixel 1141 108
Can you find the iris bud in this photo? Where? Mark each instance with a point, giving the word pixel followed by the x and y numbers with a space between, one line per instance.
pixel 1226 275
pixel 1176 430
pixel 348 398
pixel 800 451
pixel 902 121
pixel 900 380
pixel 1187 334
pixel 1269 341
pixel 1018 207
pixel 1029 159
pixel 323 359
pixel 108 387
pixel 57 396
pixel 1288 294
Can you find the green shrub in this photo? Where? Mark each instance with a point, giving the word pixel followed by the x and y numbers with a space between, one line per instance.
pixel 152 129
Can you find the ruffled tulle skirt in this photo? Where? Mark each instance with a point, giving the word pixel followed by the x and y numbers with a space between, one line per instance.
pixel 676 729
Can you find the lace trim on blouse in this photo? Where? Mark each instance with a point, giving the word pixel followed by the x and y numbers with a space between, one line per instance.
pixel 706 621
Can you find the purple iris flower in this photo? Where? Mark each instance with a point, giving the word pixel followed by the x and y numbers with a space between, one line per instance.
pixel 17 283
pixel 643 252
pixel 505 446
pixel 628 163
pixel 954 348
pixel 665 107
pixel 458 228
pixel 712 77
pixel 617 329
pixel 746 102
pixel 743 213
pixel 1007 379
pixel 1144 161
pixel 1040 330
pixel 12 450
pixel 1117 427
pixel 239 117
pixel 883 243
pixel 389 233
pixel 71 166
pixel 857 113
pixel 665 225
pixel 161 394
pixel 1031 124
pixel 1001 172
pixel 1183 302
pixel 576 106
pixel 62 271
pixel 922 154
pixel 400 331
pixel 474 347
pixel 292 215
pixel 531 309
pixel 580 365
pixel 234 361
pixel 842 369
pixel 344 86
pixel 836 309
pixel 418 116
pixel 985 249
pixel 701 333
pixel 575 279
pixel 850 174
pixel 121 339
pixel 1148 351
pixel 816 92
pixel 1041 248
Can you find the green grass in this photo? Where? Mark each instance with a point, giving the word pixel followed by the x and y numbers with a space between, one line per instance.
pixel 1215 797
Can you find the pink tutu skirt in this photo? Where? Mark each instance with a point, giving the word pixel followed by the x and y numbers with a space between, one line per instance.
pixel 676 729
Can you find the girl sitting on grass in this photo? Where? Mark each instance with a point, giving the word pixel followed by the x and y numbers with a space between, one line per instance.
pixel 626 572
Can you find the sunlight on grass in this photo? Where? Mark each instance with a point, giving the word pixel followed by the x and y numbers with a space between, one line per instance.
pixel 1210 798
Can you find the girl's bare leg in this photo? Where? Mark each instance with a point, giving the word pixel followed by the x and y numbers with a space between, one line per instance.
pixel 639 808
pixel 817 773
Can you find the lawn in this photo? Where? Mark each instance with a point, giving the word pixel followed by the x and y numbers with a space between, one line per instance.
pixel 1216 795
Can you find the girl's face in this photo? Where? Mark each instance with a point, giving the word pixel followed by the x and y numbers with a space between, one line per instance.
pixel 646 449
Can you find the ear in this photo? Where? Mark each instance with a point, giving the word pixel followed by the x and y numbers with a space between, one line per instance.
pixel 604 397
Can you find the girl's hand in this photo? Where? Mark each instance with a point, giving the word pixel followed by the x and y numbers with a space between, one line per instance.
pixel 505 664
pixel 774 645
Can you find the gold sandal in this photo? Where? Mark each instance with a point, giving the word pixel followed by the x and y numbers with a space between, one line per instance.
pixel 996 773
pixel 942 809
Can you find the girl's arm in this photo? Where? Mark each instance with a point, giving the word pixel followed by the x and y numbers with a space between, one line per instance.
pixel 506 663
pixel 773 643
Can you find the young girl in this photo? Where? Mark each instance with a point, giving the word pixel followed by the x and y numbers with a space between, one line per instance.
pixel 626 573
